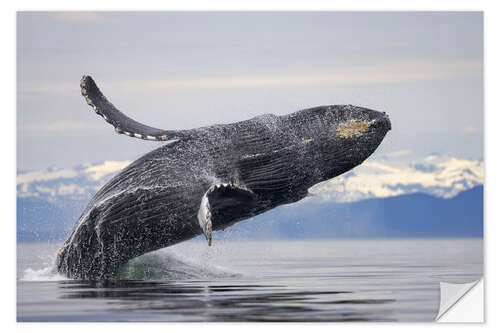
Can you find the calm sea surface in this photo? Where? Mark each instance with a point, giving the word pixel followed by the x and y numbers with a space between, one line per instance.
pixel 316 280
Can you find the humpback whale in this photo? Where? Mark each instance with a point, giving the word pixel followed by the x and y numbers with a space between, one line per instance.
pixel 209 178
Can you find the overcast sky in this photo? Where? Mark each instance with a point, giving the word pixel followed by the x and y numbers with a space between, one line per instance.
pixel 183 70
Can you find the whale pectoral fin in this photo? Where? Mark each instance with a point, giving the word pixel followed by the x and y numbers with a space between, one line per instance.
pixel 222 203
pixel 269 171
pixel 122 123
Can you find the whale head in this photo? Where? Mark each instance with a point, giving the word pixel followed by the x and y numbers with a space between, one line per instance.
pixel 337 138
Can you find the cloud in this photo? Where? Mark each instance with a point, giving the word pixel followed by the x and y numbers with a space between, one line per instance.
pixel 75 16
pixel 70 189
pixel 45 175
pixel 97 172
pixel 61 126
pixel 332 74
pixel 399 153
pixel 471 130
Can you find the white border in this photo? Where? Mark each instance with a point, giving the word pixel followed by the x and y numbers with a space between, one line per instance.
pixel 492 110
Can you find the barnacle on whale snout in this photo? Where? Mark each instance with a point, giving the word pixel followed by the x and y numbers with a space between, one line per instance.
pixel 353 128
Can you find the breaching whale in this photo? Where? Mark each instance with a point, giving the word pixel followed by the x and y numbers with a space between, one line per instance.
pixel 209 178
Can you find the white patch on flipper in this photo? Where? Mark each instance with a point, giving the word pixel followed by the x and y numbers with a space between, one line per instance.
pixel 205 218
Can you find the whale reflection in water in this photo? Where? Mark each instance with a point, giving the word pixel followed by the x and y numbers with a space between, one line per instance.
pixel 193 300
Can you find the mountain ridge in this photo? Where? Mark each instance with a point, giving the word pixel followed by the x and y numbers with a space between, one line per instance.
pixel 415 215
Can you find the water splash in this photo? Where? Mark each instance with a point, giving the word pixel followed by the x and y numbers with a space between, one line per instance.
pixel 166 264
pixel 48 273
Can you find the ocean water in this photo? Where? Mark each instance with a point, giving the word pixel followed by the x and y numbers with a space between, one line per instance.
pixel 313 280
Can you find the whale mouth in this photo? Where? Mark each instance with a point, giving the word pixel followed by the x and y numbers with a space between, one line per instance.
pixel 385 121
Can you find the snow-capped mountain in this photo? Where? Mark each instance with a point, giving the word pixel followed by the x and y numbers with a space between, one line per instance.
pixel 78 182
pixel 440 176
pixel 437 175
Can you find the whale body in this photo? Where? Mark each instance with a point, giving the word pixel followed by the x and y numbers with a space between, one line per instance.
pixel 209 178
